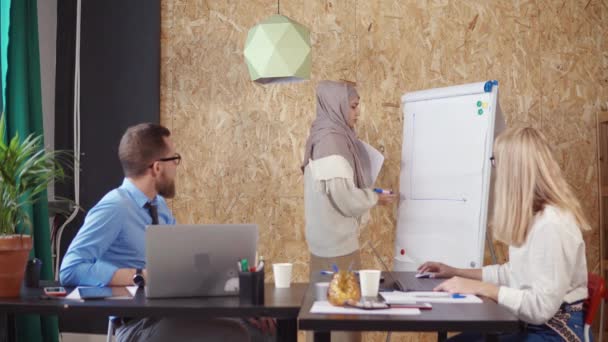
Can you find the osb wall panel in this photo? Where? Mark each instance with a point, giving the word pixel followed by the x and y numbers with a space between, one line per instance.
pixel 571 71
pixel 242 143
pixel 447 43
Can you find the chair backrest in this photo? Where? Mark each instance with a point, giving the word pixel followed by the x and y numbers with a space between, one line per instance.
pixel 597 291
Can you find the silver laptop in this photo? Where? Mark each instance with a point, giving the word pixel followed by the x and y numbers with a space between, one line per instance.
pixel 197 260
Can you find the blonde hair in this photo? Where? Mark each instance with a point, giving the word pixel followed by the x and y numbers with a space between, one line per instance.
pixel 527 179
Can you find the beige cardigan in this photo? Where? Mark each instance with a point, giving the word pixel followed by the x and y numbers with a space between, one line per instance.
pixel 333 206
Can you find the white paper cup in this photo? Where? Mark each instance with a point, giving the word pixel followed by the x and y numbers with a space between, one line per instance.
pixel 370 282
pixel 282 274
pixel 321 291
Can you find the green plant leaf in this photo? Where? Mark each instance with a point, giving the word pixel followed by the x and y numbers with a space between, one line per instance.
pixel 26 170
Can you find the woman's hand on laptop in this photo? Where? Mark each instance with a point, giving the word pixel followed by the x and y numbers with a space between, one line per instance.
pixel 440 270
pixel 266 325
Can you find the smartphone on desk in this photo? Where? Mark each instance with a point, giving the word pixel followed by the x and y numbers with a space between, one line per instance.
pixel 55 291
pixel 373 305
pixel 421 306
pixel 367 305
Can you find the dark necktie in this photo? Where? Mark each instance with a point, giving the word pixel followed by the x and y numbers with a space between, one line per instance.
pixel 153 211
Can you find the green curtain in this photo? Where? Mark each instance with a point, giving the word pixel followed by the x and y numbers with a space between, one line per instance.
pixel 23 107
pixel 5 6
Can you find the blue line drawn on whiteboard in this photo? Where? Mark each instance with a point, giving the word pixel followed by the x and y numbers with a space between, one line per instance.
pixel 411 168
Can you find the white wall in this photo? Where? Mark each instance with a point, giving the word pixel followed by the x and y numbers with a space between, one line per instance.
pixel 47 34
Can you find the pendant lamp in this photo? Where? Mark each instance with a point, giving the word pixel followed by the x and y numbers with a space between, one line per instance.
pixel 278 50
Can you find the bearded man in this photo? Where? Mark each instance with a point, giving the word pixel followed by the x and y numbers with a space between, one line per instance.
pixel 109 249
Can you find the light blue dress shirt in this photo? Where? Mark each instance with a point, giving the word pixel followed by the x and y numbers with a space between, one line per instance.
pixel 112 237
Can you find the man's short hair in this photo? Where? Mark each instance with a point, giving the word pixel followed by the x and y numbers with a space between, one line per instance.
pixel 140 146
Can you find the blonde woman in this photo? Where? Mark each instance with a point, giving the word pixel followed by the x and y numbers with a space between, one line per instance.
pixel 537 215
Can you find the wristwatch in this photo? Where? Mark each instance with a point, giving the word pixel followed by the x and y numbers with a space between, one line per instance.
pixel 138 278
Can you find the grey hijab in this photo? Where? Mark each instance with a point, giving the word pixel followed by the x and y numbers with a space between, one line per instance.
pixel 333 105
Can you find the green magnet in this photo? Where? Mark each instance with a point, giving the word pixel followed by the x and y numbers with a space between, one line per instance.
pixel 480 111
pixel 478 103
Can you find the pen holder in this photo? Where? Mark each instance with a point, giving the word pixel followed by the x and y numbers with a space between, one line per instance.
pixel 32 273
pixel 251 287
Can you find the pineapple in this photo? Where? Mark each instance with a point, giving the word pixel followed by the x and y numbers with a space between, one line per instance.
pixel 343 286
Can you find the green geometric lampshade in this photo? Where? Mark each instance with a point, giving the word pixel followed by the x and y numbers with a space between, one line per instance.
pixel 278 50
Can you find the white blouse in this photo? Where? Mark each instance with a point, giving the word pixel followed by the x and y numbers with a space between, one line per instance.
pixel 550 268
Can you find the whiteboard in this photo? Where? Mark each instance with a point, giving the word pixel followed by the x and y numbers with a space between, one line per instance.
pixel 448 136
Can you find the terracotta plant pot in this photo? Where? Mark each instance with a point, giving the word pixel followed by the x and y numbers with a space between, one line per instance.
pixel 14 252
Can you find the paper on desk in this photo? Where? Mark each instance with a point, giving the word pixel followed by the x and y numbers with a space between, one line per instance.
pixel 324 307
pixel 376 160
pixel 398 297
pixel 132 290
pixel 75 294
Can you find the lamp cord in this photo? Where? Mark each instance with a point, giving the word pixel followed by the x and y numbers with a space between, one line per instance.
pixel 278 6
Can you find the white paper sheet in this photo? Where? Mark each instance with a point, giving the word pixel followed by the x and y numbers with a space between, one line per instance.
pixel 398 297
pixel 376 160
pixel 324 307
pixel 132 290
pixel 75 294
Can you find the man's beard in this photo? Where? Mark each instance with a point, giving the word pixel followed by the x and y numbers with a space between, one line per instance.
pixel 166 188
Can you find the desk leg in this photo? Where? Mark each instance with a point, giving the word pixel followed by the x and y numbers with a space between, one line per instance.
pixel 287 329
pixel 11 323
pixel 492 337
pixel 322 336
pixel 442 336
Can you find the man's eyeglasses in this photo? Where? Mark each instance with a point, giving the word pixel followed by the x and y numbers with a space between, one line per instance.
pixel 177 159
pixel 493 161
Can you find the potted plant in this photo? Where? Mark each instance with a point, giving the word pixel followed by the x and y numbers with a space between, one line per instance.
pixel 26 169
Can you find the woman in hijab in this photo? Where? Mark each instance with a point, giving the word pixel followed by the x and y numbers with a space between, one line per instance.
pixel 337 181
